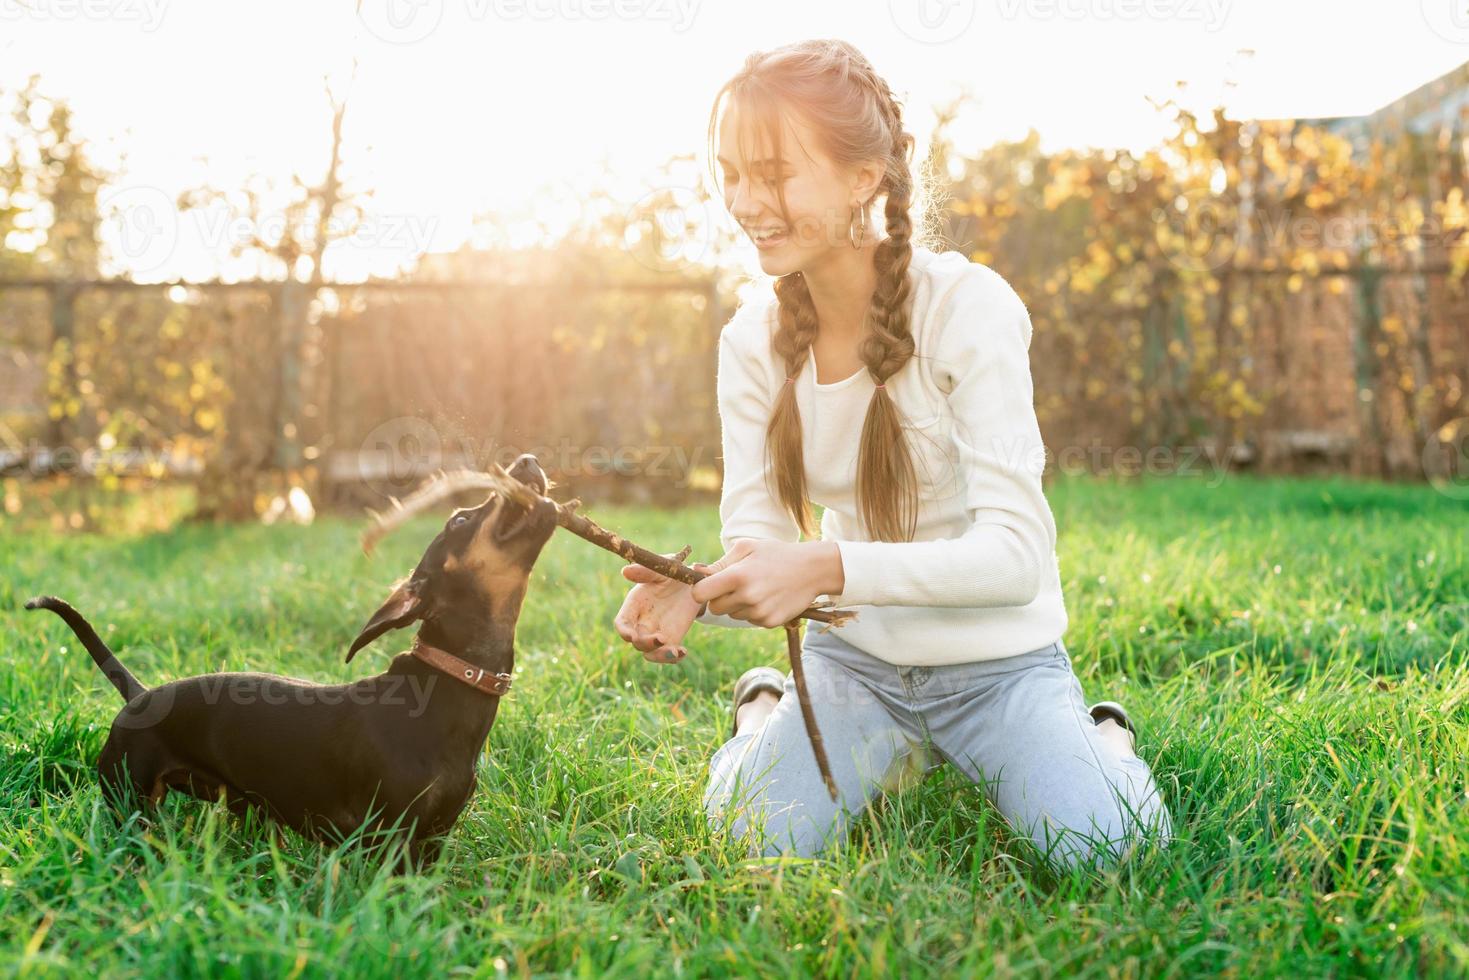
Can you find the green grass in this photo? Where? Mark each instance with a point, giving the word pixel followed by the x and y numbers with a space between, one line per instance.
pixel 1294 651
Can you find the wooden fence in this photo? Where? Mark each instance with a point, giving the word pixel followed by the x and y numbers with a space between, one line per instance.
pixel 363 389
pixel 359 389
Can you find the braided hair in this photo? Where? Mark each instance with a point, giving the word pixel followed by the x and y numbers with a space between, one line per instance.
pixel 832 85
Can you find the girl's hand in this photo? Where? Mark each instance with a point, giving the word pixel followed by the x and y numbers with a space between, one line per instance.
pixel 656 614
pixel 769 583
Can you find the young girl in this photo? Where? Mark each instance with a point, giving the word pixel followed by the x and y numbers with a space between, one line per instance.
pixel 890 384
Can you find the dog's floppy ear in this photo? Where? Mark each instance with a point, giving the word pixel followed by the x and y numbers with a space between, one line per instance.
pixel 401 608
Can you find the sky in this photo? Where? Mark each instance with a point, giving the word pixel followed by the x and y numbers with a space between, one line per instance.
pixel 464 106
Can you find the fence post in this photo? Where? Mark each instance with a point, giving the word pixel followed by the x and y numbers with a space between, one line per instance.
pixel 1367 329
pixel 63 329
pixel 292 326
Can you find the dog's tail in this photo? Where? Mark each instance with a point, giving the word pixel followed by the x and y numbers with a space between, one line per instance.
pixel 127 685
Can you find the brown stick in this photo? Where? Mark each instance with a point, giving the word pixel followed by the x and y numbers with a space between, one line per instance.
pixel 808 714
pixel 497 480
pixel 590 530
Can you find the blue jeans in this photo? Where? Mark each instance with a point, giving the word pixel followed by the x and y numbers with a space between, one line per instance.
pixel 1018 725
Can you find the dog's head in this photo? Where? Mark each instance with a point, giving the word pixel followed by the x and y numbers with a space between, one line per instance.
pixel 477 566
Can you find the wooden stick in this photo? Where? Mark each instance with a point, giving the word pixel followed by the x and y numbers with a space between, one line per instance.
pixel 497 480
pixel 808 714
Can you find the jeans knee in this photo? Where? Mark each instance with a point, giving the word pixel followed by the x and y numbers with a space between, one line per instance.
pixel 765 786
pixel 1110 835
pixel 769 835
pixel 786 831
pixel 770 828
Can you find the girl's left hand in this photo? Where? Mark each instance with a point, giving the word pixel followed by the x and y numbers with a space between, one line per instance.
pixel 769 583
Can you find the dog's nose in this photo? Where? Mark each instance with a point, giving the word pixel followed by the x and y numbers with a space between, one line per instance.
pixel 527 469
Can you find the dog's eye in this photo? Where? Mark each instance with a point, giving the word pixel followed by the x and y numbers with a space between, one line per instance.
pixel 459 520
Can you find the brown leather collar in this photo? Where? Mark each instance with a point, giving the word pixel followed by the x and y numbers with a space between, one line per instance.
pixel 461 670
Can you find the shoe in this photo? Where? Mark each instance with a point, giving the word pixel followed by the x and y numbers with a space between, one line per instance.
pixel 751 683
pixel 1111 709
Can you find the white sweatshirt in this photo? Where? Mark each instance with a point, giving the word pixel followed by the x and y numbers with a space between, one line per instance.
pixel 979 580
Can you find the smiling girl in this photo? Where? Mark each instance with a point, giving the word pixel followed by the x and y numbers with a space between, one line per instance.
pixel 890 384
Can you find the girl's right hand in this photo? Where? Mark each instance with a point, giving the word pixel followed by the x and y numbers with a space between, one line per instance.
pixel 656 614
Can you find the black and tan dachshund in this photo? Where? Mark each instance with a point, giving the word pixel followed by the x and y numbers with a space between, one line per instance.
pixel 394 750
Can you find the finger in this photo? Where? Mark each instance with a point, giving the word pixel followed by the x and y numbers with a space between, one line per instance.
pixel 666 655
pixel 655 648
pixel 720 563
pixel 729 558
pixel 733 609
pixel 642 575
pixel 626 624
pixel 721 583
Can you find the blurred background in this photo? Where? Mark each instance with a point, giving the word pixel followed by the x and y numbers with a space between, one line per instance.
pixel 259 261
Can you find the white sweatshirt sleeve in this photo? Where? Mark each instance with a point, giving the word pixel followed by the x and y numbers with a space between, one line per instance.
pixel 981 361
pixel 747 508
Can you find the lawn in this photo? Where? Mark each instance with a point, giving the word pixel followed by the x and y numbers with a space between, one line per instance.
pixel 1295 652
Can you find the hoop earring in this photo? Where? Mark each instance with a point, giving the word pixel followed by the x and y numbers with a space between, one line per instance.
pixel 854 232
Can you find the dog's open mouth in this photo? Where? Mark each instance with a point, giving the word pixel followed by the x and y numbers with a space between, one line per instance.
pixel 527 469
pixel 515 520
